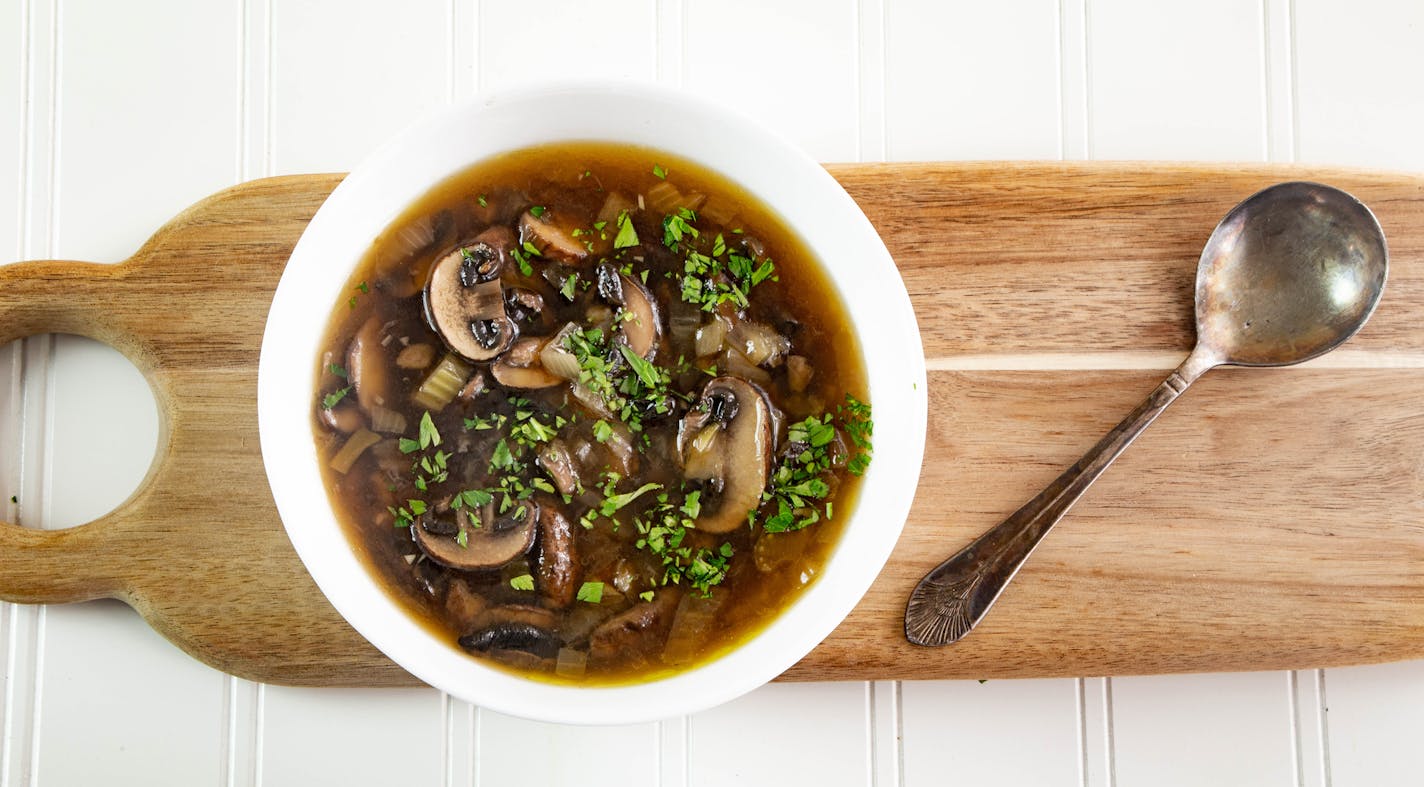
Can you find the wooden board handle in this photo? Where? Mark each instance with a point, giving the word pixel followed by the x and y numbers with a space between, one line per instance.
pixel 56 566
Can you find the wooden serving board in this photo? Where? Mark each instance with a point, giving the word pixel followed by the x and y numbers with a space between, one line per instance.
pixel 1270 519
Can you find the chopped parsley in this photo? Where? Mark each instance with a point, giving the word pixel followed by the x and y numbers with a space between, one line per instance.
pixel 337 370
pixel 570 288
pixel 712 274
pixel 658 171
pixel 332 399
pixel 522 582
pixel 537 210
pixel 428 434
pixel 627 236
pixel 481 200
pixel 602 431
pixel 592 592
pixel 663 532
pixel 795 493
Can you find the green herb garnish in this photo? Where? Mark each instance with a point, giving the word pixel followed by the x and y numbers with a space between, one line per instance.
pixel 332 399
pixel 627 236
pixel 592 592
pixel 522 582
pixel 428 434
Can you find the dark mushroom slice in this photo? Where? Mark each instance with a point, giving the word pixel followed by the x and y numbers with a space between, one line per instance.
pixel 638 631
pixel 557 568
pixel 464 299
pixel 726 442
pixel 641 327
pixel 515 634
pixel 498 541
pixel 521 367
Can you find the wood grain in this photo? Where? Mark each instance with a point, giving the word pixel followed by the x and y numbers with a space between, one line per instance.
pixel 1271 519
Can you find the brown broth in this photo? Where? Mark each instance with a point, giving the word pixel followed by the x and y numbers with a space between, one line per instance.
pixel 573 180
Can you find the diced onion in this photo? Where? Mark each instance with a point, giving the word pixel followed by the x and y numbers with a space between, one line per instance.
pixel 571 663
pixel 719 213
pixel 443 382
pixel 735 364
pixel 557 360
pixel 798 372
pixel 352 450
pixel 613 205
pixel 591 400
pixel 692 201
pixel 710 337
pixel 692 625
pixel 761 345
pixel 664 197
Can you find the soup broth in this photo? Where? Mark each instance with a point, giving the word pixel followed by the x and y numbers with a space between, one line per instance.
pixel 592 413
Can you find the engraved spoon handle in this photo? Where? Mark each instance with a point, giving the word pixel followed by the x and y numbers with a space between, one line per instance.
pixel 953 598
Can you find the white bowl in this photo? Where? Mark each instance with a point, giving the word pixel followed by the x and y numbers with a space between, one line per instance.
pixel 806 197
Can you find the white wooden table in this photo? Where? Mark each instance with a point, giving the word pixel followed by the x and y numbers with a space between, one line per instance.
pixel 115 115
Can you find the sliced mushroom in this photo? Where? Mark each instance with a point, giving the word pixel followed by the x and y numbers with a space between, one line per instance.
pixel 641 327
pixel 366 366
pixel 506 632
pixel 520 366
pixel 555 460
pixel 415 356
pixel 526 308
pixel 551 237
pixel 495 543
pixel 464 300
pixel 344 417
pixel 557 568
pixel 727 442
pixel 641 628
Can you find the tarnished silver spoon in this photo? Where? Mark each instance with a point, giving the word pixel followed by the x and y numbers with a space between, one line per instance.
pixel 1289 274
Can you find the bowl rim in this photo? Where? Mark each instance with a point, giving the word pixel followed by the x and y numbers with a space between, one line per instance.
pixel 757 160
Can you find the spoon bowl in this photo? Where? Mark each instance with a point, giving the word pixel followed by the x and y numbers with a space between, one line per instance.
pixel 1290 273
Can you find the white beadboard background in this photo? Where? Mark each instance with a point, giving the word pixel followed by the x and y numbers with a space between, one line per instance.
pixel 115 115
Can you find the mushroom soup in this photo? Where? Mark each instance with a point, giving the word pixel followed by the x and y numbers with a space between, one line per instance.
pixel 592 413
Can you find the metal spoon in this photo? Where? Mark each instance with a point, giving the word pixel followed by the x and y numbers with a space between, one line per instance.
pixel 1289 274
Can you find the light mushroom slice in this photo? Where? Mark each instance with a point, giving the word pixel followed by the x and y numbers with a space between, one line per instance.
pixel 464 299
pixel 520 366
pixel 549 235
pixel 641 327
pixel 366 366
pixel 727 443
pixel 495 543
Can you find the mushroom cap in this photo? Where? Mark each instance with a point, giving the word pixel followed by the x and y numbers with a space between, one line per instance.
pixel 464 299
pixel 497 542
pixel 727 441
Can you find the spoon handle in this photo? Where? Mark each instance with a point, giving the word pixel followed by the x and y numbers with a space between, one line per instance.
pixel 954 597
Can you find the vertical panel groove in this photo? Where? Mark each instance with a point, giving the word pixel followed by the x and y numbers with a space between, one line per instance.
pixel 1294 84
pixel 1108 734
pixel 1324 730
